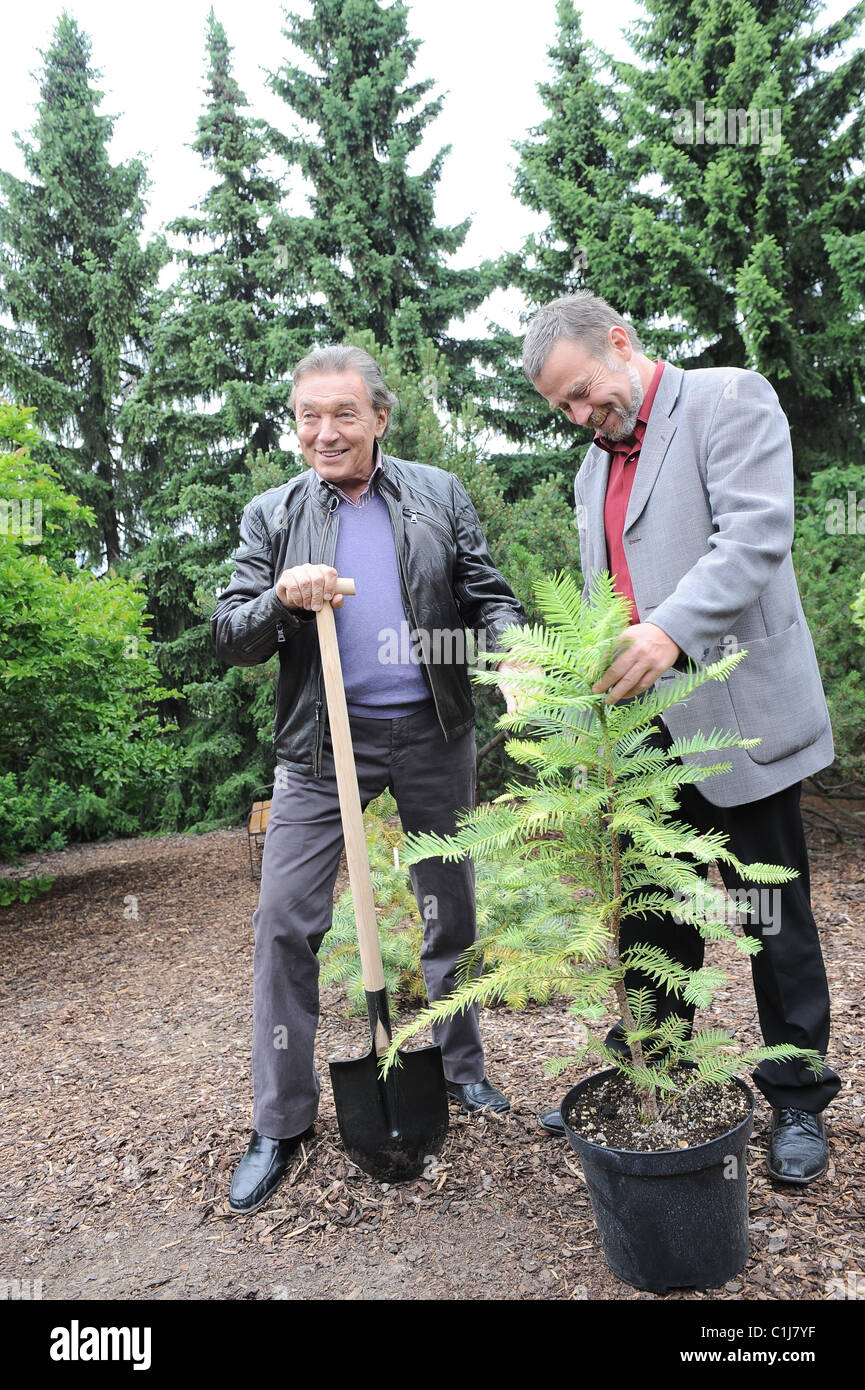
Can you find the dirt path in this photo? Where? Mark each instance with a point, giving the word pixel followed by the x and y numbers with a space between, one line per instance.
pixel 127 994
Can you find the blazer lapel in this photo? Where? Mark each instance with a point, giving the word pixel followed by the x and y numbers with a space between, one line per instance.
pixel 659 432
pixel 592 477
pixel 595 470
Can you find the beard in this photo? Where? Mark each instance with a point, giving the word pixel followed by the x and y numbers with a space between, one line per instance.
pixel 627 416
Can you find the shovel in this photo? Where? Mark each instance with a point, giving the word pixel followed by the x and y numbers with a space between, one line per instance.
pixel 391 1128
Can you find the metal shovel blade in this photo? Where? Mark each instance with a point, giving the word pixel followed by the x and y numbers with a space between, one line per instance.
pixel 391 1128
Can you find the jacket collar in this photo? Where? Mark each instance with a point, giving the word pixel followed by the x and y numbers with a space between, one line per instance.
pixel 666 396
pixel 324 492
pixel 667 393
pixel 660 430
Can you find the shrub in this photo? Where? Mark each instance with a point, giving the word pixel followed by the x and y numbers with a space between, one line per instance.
pixel 827 556
pixel 512 917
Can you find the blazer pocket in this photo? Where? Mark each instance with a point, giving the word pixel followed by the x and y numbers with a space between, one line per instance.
pixel 777 694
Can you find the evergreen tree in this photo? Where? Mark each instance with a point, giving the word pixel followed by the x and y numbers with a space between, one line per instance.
pixel 569 171
pixel 753 237
pixel 375 253
pixel 78 288
pixel 211 411
pixel 216 390
pixel 731 230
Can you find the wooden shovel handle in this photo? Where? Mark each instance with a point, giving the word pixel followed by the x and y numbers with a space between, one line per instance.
pixel 349 805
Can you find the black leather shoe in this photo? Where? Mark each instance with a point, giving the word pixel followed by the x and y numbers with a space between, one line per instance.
pixel 798 1147
pixel 478 1095
pixel 260 1171
pixel 552 1123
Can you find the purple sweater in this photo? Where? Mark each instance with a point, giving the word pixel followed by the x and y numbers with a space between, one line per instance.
pixel 381 680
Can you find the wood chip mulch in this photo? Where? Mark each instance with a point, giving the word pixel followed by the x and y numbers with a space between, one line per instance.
pixel 127 993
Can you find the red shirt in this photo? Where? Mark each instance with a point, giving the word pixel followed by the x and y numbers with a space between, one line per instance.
pixel 623 466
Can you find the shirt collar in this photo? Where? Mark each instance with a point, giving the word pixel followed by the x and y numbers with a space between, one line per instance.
pixel 614 446
pixel 363 497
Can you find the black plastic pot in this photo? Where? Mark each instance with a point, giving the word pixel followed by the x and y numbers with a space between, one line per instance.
pixel 673 1219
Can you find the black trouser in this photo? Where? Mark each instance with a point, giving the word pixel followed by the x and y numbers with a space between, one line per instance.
pixel 789 976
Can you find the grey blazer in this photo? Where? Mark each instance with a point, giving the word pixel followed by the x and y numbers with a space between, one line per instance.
pixel 707 534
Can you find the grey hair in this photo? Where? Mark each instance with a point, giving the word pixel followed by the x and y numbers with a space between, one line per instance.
pixel 344 358
pixel 581 318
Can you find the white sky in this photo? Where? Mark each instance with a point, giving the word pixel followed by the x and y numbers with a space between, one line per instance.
pixel 486 56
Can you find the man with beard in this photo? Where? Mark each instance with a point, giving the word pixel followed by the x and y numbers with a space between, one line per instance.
pixel 686 498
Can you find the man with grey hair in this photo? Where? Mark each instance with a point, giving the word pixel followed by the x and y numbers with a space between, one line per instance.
pixel 412 541
pixel 686 498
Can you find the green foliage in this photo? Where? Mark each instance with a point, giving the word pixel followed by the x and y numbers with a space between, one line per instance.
pixel 77 290
pixel 82 751
pixel 828 557
pixel 529 537
pixel 400 931
pixel 568 173
pixel 23 890
pixel 229 332
pixel 595 781
pixel 744 250
pixel 211 412
pixel 512 918
pixel 418 375
pixel 517 919
pixel 373 253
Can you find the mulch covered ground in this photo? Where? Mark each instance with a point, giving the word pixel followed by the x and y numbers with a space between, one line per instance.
pixel 127 995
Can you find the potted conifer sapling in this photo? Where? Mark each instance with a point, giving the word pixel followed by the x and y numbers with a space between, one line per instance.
pixel 662 1131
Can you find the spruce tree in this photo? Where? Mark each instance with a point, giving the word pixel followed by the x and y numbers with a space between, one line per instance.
pixel 211 410
pixel 78 288
pixel 375 251
pixel 762 201
pixel 569 172
pixel 722 209
pixel 233 323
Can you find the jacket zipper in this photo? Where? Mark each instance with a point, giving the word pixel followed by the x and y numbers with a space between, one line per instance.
pixel 413 514
pixel 324 559
pixel 407 597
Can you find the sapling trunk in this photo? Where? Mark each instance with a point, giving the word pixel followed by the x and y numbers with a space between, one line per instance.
pixel 649 1099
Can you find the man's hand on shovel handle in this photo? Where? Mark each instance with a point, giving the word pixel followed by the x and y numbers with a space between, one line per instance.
pixel 308 587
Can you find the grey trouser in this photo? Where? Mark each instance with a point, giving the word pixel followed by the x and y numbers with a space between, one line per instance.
pixel 431 781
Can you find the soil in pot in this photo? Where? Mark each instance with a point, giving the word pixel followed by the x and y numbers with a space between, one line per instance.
pixel 609 1114
pixel 674 1212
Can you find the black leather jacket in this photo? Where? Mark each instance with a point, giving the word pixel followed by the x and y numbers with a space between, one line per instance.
pixel 449 583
